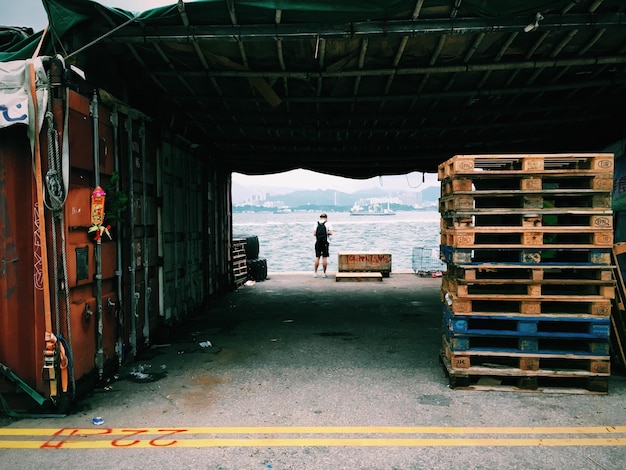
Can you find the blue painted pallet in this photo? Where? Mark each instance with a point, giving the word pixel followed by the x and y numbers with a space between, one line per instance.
pixel 544 326
pixel 527 344
pixel 571 257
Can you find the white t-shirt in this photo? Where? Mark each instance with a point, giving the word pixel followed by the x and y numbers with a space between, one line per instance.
pixel 329 228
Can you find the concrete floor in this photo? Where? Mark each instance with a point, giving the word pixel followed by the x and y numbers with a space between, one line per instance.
pixel 310 373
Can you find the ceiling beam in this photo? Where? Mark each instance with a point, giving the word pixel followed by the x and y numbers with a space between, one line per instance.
pixel 381 72
pixel 144 33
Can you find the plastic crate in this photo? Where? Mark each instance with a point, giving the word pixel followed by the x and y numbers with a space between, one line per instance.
pixel 426 262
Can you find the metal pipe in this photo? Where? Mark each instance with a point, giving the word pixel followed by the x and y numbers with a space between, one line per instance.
pixel 451 26
pixel 459 68
pixel 118 241
pixel 99 359
pixel 144 223
pixel 131 238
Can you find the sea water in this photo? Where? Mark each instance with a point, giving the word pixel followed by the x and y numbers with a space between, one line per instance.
pixel 286 241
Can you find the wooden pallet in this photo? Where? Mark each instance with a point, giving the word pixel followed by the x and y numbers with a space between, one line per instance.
pixel 506 200
pixel 530 256
pixel 524 382
pixel 358 277
pixel 564 274
pixel 528 164
pixel 484 183
pixel 510 221
pixel 618 313
pixel 528 237
pixel 509 289
pixel 520 344
pixel 547 326
pixel 239 265
pixel 525 305
pixel 486 362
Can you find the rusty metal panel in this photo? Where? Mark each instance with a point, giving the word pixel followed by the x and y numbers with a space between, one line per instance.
pixel 17 310
pixel 142 268
pixel 171 211
pixel 184 269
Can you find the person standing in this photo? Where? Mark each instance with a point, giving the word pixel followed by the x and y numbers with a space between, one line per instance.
pixel 322 232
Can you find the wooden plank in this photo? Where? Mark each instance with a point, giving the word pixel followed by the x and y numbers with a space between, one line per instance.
pixel 495 274
pixel 523 382
pixel 618 313
pixel 527 237
pixel 487 183
pixel 529 164
pixel 539 201
pixel 488 305
pixel 509 289
pixel 539 256
pixel 358 277
pixel 547 326
pixel 528 220
pixel 365 261
pixel 505 364
pixel 519 343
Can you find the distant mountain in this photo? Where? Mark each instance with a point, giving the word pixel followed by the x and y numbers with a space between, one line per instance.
pixel 431 193
pixel 320 197
pixel 331 199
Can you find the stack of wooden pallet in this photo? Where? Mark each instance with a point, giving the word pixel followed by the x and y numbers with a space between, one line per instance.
pixel 527 294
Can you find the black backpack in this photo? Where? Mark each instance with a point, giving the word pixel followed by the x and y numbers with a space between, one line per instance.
pixel 320 232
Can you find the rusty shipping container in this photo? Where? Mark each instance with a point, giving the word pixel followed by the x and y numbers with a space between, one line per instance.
pixel 110 230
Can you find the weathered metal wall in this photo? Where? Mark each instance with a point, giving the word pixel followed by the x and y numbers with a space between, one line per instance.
pixel 168 255
pixel 18 267
pixel 91 314
pixel 182 240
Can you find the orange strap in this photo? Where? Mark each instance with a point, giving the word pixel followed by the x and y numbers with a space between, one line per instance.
pixel 50 339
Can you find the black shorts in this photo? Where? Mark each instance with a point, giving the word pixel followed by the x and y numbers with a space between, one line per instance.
pixel 321 249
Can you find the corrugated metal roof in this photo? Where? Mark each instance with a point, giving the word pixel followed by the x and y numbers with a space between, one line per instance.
pixel 358 88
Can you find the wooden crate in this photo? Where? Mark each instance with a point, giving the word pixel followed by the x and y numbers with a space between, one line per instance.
pixel 365 262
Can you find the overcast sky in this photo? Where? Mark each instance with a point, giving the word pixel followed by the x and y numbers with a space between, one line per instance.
pixel 31 13
pixel 305 179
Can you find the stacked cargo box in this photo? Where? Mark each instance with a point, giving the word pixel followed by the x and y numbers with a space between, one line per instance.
pixel 526 298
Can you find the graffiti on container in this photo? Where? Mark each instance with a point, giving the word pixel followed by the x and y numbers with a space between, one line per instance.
pixel 377 258
pixel 4 111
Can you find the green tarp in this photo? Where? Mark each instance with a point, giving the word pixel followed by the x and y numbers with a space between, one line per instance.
pixel 66 15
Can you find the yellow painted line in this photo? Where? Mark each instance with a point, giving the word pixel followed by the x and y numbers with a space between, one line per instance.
pixel 102 431
pixel 327 442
